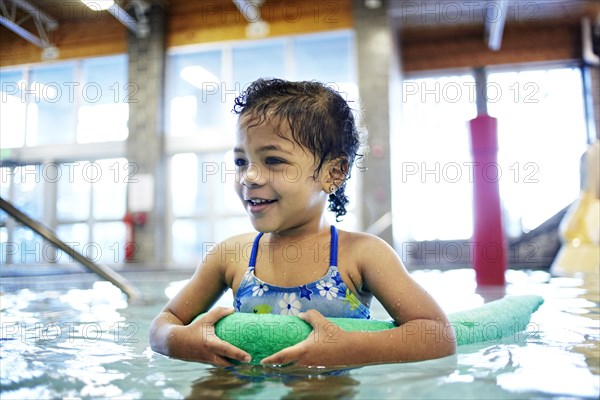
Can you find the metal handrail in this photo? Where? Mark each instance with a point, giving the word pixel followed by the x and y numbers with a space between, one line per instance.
pixel 104 271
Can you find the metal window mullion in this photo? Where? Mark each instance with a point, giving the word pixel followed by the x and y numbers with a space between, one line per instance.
pixel 91 221
pixel 10 223
pixel 77 97
pixel 77 104
pixel 49 190
pixel 26 78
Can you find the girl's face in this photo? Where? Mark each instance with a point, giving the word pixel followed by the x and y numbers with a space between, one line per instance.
pixel 276 178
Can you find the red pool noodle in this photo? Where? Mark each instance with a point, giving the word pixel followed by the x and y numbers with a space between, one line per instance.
pixel 489 253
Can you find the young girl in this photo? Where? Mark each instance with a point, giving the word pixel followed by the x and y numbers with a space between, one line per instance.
pixel 296 144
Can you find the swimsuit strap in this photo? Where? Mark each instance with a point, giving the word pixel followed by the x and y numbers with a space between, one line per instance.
pixel 252 262
pixel 333 248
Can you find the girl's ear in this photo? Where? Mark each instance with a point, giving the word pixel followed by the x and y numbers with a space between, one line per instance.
pixel 335 173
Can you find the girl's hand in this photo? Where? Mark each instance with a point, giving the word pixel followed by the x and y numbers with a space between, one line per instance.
pixel 324 346
pixel 211 349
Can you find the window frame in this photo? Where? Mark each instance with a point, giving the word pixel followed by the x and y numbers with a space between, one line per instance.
pixel 49 154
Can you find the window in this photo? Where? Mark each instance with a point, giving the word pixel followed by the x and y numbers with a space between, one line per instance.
pixel 319 58
pixel 541 120
pixel 266 60
pixel 12 112
pixel 66 103
pixel 51 110
pixel 193 101
pixel 105 94
pixel 91 199
pixel 49 113
pixel 24 186
pixel 432 189
pixel 88 216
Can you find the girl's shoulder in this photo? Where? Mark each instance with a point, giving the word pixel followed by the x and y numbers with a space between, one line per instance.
pixel 231 256
pixel 364 256
pixel 371 256
pixel 361 240
pixel 234 249
pixel 243 239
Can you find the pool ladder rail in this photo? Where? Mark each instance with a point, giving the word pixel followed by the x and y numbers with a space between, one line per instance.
pixel 102 270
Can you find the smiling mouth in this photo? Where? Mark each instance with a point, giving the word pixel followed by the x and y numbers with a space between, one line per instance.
pixel 258 202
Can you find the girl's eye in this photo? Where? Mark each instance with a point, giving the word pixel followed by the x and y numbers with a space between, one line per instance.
pixel 273 161
pixel 239 162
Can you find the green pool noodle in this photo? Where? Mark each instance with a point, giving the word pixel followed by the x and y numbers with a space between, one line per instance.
pixel 264 334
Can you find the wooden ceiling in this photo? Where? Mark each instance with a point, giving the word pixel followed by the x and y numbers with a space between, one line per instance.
pixel 66 11
pixel 411 14
pixel 442 35
pixel 84 32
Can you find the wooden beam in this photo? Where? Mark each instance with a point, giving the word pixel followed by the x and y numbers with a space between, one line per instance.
pixel 462 47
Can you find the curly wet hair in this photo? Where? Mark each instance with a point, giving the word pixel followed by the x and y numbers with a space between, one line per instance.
pixel 320 119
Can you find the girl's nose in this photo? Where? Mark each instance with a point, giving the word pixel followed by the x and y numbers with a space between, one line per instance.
pixel 251 176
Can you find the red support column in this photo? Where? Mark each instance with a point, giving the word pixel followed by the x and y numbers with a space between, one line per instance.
pixel 489 250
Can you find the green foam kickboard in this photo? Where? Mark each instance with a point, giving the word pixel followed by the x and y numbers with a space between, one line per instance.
pixel 264 334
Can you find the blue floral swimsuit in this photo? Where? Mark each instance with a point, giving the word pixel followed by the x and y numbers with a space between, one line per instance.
pixel 328 295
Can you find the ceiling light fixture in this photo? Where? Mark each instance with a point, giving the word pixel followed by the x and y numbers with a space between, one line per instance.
pixel 98 5
pixel 138 23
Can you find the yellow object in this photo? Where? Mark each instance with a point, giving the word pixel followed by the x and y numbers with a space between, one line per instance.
pixel 583 258
pixel 352 300
pixel 580 228
pixel 262 309
pixel 580 224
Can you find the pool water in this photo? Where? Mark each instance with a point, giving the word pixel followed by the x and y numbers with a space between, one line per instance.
pixel 74 337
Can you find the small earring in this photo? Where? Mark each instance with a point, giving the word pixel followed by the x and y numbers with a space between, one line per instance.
pixel 332 189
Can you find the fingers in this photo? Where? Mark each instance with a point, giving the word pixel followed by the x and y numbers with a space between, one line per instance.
pixel 315 350
pixel 216 314
pixel 289 355
pixel 293 354
pixel 222 348
pixel 220 361
pixel 313 318
pixel 222 352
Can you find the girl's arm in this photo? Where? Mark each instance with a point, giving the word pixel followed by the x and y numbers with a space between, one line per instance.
pixel 171 332
pixel 424 331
